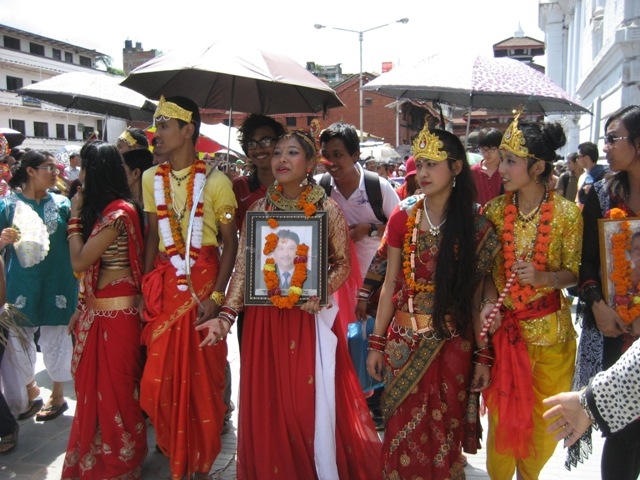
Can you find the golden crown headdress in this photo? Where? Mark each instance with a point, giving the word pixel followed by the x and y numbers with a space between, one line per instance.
pixel 513 139
pixel 172 110
pixel 428 145
pixel 127 138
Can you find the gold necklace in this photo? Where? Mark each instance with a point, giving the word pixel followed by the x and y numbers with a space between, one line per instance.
pixel 178 211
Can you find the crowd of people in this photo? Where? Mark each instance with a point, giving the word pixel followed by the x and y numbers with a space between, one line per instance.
pixel 149 260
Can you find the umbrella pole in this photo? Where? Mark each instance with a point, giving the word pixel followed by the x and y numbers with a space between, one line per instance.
pixel 466 138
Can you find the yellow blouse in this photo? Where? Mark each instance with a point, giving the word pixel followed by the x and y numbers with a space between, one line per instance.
pixel 564 254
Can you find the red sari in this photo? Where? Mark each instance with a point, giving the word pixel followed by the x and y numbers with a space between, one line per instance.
pixel 278 433
pixel 182 384
pixel 108 435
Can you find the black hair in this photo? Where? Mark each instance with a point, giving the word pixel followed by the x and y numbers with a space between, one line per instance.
pixel 542 141
pixel 345 132
pixel 19 175
pixel 630 118
pixel 290 235
pixel 73 188
pixel 572 157
pixel 190 106
pixel 457 252
pixel 489 137
pixel 589 149
pixel 104 181
pixel 139 136
pixel 140 158
pixel 252 123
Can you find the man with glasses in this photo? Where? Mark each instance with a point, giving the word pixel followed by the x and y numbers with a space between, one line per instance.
pixel 485 174
pixel 588 158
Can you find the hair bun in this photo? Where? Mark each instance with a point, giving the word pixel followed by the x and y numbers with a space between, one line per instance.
pixel 553 134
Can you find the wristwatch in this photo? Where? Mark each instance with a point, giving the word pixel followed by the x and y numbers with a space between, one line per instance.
pixel 373 230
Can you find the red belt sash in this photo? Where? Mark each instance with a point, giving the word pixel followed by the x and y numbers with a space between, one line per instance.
pixel 511 391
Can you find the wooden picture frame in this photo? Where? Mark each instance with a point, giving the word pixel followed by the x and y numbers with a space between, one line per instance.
pixel 311 231
pixel 607 228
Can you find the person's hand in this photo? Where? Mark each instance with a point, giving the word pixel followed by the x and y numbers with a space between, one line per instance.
pixel 72 322
pixel 481 378
pixel 359 231
pixel 527 273
pixel 76 203
pixel 216 328
pixel 206 310
pixel 361 310
pixel 375 364
pixel 571 421
pixel 8 235
pixel 484 315
pixel 635 327
pixel 312 305
pixel 607 320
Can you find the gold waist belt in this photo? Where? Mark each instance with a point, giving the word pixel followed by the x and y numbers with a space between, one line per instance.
pixel 113 303
pixel 423 322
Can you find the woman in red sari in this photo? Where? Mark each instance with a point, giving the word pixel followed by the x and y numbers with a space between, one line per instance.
pixel 302 412
pixel 426 337
pixel 108 435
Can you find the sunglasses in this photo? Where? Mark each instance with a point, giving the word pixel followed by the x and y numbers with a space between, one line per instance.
pixel 263 142
pixel 610 139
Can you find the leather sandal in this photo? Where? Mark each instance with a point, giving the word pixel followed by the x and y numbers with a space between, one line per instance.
pixel 8 443
pixel 51 412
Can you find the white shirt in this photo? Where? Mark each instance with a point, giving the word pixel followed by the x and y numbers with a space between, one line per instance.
pixel 72 173
pixel 357 209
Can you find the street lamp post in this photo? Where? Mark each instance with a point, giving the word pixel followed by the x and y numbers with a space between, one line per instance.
pixel 360 38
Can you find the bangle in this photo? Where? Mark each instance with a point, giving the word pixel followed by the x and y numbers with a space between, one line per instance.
pixel 363 294
pixel 591 293
pixel 74 221
pixel 223 318
pixel 74 234
pixel 585 405
pixel 555 280
pixel 217 297
pixel 486 301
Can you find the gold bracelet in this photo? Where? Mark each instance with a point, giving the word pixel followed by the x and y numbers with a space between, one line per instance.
pixel 217 297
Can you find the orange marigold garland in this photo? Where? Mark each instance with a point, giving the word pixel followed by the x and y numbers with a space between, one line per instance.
pixel 271 279
pixel 309 209
pixel 409 251
pixel 521 294
pixel 626 301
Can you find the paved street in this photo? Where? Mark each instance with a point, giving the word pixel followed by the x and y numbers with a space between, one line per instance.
pixel 40 452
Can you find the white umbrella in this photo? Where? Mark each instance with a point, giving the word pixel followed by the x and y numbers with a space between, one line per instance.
pixel 223 135
pixel 94 93
pixel 379 152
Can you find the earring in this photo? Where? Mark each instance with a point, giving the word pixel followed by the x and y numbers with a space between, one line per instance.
pixel 453 185
pixel 304 183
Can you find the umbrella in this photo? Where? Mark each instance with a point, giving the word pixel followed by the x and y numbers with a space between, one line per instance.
pixel 14 137
pixel 94 93
pixel 229 76
pixel 203 145
pixel 223 134
pixel 63 153
pixel 477 82
pixel 378 152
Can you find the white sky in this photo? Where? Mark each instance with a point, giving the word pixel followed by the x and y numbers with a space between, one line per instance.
pixel 283 27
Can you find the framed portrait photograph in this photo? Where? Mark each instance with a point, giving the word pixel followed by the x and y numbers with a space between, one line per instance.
pixel 619 250
pixel 277 244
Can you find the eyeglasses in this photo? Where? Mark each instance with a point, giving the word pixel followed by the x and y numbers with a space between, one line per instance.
pixel 610 139
pixel 486 150
pixel 48 168
pixel 263 142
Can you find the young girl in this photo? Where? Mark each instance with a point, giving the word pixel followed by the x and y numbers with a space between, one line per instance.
pixel 534 341
pixel 302 411
pixel 439 250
